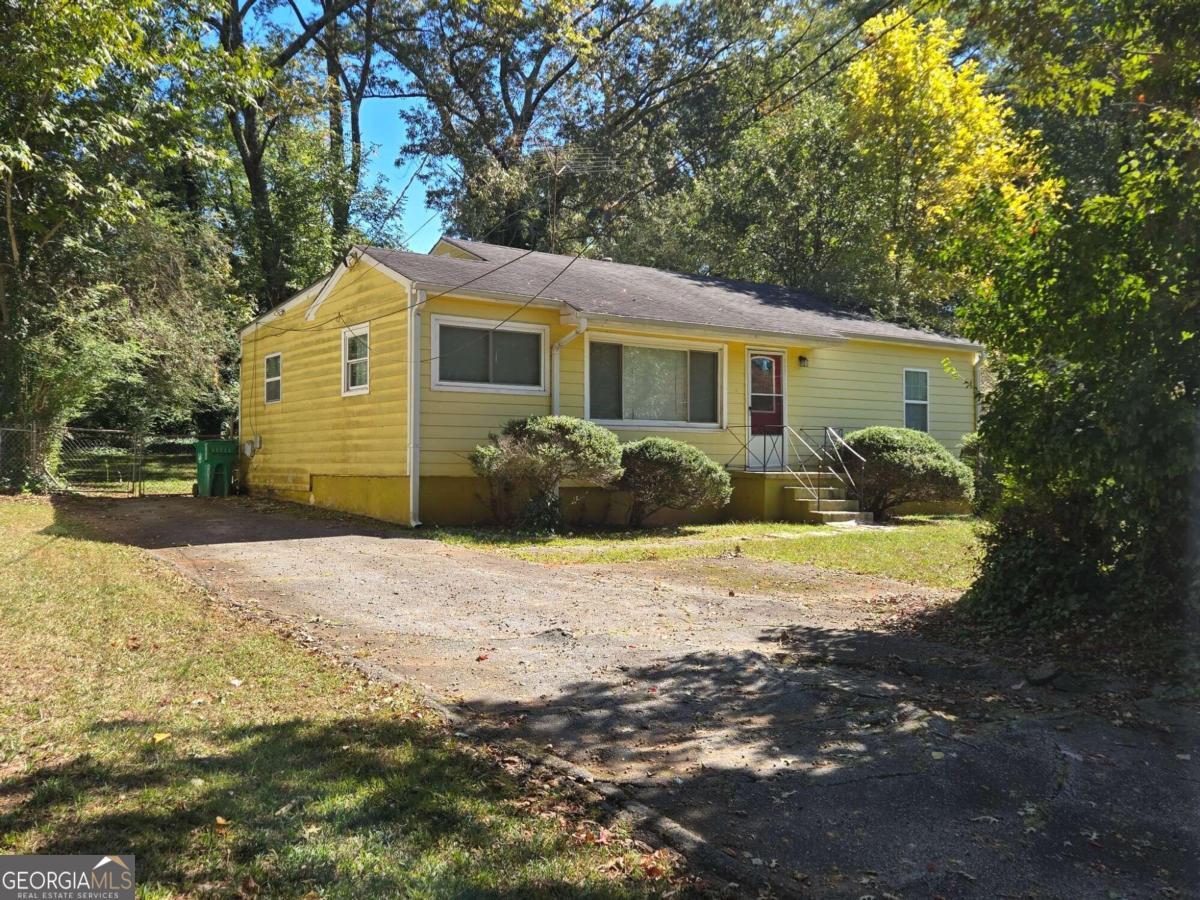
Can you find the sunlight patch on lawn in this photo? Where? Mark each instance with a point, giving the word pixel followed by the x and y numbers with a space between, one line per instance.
pixel 140 714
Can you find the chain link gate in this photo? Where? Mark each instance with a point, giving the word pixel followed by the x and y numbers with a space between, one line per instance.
pixel 97 461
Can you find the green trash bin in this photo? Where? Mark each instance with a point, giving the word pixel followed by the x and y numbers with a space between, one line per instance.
pixel 214 468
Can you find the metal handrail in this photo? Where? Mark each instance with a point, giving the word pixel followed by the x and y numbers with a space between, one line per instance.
pixel 839 440
pixel 830 430
pixel 830 460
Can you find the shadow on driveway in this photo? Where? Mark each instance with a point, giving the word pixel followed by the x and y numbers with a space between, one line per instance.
pixel 830 761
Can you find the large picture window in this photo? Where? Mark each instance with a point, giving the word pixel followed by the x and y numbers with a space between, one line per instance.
pixel 636 383
pixel 916 399
pixel 473 354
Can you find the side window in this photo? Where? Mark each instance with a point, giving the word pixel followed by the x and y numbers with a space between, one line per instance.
pixel 273 378
pixel 916 399
pixel 356 359
pixel 501 357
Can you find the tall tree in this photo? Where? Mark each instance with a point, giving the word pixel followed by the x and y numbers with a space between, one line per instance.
pixel 1091 310
pixel 542 111
pixel 855 187
pixel 264 93
pixel 99 281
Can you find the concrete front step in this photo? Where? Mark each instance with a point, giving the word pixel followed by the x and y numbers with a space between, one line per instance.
pixel 827 504
pixel 830 492
pixel 829 517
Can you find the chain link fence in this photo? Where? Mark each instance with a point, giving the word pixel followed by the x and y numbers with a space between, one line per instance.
pixel 99 461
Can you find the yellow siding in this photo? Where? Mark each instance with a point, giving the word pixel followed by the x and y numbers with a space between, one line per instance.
pixel 861 383
pixel 453 422
pixel 352 452
pixel 849 385
pixel 725 444
pixel 314 430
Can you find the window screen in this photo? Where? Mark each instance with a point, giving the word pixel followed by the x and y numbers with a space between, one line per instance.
pixel 604 376
pixel 489 356
pixel 652 384
pixel 273 385
pixel 463 354
pixel 916 400
pixel 356 352
pixel 702 393
pixel 516 358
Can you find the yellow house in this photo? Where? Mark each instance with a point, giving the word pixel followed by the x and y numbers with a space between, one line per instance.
pixel 367 391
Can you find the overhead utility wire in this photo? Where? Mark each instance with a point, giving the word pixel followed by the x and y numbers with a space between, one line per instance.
pixel 836 66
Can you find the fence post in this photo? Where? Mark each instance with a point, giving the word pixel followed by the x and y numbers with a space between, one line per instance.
pixel 33 450
pixel 138 488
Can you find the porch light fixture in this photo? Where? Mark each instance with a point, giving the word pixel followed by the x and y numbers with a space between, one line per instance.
pixel 803 361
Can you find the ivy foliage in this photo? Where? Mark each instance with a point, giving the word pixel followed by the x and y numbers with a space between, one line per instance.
pixel 1090 308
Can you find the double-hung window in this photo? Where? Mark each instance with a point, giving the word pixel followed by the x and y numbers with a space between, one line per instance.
pixel 916 399
pixel 480 355
pixel 356 359
pixel 643 384
pixel 273 378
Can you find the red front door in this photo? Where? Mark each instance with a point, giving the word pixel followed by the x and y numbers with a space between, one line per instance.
pixel 766 393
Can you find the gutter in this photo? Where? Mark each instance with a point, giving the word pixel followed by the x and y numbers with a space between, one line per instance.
pixel 580 327
pixel 416 302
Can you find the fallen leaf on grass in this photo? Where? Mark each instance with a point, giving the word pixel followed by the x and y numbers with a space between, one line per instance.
pixel 160 736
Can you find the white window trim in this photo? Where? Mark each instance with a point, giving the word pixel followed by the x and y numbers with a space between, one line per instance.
pixel 927 402
pixel 542 389
pixel 601 337
pixel 361 330
pixel 278 378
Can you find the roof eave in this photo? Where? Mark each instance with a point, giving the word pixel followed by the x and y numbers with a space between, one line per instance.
pixel 755 334
pixel 468 293
pixel 944 343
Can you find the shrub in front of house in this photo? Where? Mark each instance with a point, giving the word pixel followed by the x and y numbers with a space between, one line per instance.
pixel 664 474
pixel 902 466
pixel 530 458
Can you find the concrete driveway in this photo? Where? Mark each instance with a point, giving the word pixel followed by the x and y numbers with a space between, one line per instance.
pixel 821 757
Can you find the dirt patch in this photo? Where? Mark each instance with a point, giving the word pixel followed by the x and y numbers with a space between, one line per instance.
pixel 766 707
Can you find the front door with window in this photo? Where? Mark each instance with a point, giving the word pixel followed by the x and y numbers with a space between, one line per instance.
pixel 766 440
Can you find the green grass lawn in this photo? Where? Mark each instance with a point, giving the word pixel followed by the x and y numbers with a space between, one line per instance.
pixel 930 550
pixel 140 716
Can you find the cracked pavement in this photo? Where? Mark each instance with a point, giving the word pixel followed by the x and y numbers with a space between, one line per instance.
pixel 826 757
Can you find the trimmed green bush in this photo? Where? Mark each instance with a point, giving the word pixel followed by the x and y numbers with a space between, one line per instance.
pixel 664 474
pixel 533 457
pixel 901 466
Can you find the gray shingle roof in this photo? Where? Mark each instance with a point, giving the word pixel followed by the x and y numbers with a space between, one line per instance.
pixel 603 288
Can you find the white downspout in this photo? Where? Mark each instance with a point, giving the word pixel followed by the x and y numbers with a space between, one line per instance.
pixel 580 328
pixel 414 407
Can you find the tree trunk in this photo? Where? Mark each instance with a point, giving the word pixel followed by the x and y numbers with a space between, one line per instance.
pixel 340 201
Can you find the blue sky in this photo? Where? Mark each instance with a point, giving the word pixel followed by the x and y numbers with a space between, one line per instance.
pixel 383 130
